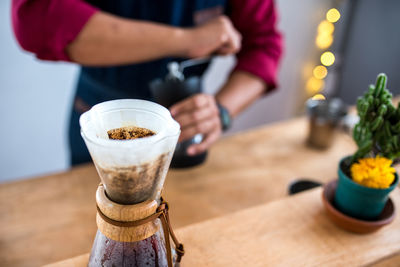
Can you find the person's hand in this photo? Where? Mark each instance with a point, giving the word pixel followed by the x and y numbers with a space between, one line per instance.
pixel 216 36
pixel 198 114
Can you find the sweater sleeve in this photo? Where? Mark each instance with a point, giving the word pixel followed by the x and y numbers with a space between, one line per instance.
pixel 261 43
pixel 46 27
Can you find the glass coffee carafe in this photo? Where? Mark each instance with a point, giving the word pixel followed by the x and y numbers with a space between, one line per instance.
pixel 132 219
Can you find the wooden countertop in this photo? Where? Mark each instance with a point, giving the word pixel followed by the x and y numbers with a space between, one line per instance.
pixel 290 231
pixel 53 218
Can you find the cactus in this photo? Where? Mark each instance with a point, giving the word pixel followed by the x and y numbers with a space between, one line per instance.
pixel 378 131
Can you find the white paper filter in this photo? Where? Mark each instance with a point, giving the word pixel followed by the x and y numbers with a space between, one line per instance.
pixel 126 155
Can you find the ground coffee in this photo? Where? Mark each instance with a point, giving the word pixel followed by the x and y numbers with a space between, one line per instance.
pixel 130 132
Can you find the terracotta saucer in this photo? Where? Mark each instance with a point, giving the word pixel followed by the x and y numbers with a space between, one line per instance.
pixel 349 223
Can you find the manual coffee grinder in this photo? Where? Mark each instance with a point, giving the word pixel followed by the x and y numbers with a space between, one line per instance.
pixel 176 87
pixel 132 218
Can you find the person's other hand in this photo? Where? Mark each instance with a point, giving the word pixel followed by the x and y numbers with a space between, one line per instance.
pixel 216 36
pixel 198 114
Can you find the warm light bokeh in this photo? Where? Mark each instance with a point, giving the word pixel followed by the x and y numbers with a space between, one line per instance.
pixel 323 41
pixel 326 27
pixel 318 97
pixel 327 58
pixel 320 72
pixel 333 15
pixel 314 85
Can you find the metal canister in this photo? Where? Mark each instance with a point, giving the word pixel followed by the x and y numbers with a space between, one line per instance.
pixel 324 118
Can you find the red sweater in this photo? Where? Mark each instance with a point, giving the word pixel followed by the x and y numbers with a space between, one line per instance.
pixel 46 27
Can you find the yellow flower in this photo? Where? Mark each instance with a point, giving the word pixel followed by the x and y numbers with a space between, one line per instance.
pixel 373 172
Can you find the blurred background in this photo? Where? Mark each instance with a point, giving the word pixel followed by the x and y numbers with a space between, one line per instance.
pixel 334 48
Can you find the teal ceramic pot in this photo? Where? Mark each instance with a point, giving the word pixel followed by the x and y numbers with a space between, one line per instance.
pixel 357 200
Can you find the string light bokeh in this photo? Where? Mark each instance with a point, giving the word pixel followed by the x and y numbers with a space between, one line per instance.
pixel 323 41
pixel 318 97
pixel 320 72
pixel 327 58
pixel 333 15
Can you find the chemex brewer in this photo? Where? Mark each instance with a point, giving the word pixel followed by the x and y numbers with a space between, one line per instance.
pixel 131 143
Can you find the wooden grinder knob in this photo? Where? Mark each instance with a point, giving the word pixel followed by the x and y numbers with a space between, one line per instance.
pixel 125 213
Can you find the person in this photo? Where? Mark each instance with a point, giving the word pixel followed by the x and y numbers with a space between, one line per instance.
pixel 123 45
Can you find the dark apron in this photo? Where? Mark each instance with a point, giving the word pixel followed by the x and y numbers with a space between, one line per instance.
pixel 99 84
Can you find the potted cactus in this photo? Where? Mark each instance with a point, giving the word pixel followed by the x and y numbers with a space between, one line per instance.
pixel 367 177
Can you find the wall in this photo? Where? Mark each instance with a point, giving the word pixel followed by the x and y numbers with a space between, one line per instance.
pixel 34 100
pixel 35 96
pixel 372 47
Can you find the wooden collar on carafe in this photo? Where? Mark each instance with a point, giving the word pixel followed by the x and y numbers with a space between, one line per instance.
pixel 125 213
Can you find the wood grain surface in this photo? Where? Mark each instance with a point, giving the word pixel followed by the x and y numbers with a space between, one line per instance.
pixel 53 218
pixel 292 231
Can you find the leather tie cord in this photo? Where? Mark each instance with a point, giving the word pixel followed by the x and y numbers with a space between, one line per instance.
pixel 162 213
